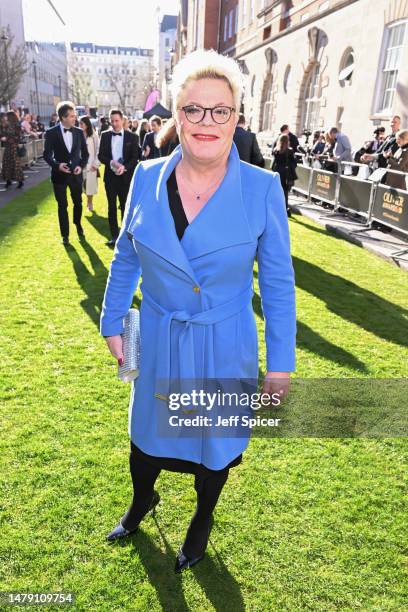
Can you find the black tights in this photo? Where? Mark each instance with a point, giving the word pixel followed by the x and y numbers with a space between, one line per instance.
pixel 208 488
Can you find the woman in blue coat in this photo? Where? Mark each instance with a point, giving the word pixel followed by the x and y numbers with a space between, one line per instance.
pixel 194 223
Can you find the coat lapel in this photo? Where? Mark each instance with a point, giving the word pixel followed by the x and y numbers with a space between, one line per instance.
pixel 221 223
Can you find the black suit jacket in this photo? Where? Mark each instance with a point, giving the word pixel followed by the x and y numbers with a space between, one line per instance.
pixel 390 143
pixel 248 147
pixel 148 141
pixel 130 155
pixel 56 153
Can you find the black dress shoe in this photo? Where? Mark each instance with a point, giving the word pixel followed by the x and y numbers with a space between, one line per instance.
pixel 184 562
pixel 120 532
pixel 20 184
pixel 65 241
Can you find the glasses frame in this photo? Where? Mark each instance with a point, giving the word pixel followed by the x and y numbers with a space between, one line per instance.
pixel 232 109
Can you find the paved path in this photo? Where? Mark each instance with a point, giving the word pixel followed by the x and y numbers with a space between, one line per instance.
pixel 380 243
pixel 33 175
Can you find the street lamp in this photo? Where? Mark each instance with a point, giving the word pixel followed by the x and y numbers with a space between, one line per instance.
pixel 34 63
pixel 5 38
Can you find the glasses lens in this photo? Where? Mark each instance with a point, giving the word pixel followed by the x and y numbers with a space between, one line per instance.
pixel 194 113
pixel 221 114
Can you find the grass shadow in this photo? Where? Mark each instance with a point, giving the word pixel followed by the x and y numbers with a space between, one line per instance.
pixel 216 581
pixel 93 284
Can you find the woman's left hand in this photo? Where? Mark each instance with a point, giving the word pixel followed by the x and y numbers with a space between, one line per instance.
pixel 277 383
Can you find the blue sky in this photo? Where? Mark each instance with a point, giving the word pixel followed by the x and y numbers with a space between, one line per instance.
pixel 112 22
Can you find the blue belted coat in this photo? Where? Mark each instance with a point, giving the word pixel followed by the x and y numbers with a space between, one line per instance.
pixel 196 315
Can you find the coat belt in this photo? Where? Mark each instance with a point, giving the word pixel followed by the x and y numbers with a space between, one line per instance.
pixel 187 362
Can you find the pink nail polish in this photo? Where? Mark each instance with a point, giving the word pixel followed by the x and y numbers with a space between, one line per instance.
pixel 120 361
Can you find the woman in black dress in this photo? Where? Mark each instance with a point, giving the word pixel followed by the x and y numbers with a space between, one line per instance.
pixel 146 468
pixel 11 135
pixel 285 163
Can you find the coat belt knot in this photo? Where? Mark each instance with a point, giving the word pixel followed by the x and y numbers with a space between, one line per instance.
pixel 187 362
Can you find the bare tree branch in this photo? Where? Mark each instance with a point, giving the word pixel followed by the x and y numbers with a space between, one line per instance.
pixel 13 66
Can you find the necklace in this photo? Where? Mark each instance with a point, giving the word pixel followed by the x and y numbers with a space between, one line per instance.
pixel 199 195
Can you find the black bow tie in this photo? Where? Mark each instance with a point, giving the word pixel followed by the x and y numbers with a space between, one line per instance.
pixel 67 130
pixel 116 133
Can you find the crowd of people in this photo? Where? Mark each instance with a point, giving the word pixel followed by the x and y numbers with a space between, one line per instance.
pixel 387 151
pixel 157 137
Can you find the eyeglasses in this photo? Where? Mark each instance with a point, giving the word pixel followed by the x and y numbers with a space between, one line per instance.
pixel 195 113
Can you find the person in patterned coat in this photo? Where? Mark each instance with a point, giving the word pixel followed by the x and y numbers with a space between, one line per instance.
pixel 11 136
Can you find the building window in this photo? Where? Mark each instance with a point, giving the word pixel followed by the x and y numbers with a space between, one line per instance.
pixel 244 13
pixel 231 13
pixel 311 106
pixel 267 108
pixel 251 10
pixel 225 27
pixel 391 63
pixel 346 67
pixel 266 32
pixel 236 19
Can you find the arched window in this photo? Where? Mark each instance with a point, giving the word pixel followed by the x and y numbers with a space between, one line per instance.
pixel 346 67
pixel 266 121
pixel 311 104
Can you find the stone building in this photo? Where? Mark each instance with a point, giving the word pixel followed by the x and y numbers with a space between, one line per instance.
pixel 163 54
pixel 312 63
pixel 104 76
pixel 45 80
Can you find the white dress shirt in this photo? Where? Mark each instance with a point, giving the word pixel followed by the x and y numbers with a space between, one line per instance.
pixel 117 146
pixel 67 136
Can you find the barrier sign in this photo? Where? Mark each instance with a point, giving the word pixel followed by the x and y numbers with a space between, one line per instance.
pixel 391 207
pixel 354 194
pixel 323 185
pixel 302 182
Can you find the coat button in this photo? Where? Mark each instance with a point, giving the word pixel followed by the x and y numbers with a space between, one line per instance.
pixel 196 289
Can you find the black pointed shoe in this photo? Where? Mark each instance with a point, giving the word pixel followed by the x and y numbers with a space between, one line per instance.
pixel 120 532
pixel 184 562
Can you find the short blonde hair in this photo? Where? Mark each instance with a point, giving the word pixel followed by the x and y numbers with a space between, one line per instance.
pixel 207 64
pixel 402 134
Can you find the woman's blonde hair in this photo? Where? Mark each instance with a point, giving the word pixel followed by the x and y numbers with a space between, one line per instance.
pixel 207 64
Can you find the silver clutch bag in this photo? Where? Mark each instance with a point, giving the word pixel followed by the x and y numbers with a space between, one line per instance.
pixel 131 347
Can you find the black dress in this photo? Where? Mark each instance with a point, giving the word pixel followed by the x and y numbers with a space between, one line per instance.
pixel 170 463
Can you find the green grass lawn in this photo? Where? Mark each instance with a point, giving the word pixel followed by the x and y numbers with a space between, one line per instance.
pixel 302 524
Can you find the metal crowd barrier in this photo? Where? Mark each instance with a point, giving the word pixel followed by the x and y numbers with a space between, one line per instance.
pixel 35 149
pixel 366 197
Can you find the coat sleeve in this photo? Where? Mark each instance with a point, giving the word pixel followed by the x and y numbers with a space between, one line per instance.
pixel 124 271
pixel 277 283
pixel 48 154
pixel 103 153
pixel 256 156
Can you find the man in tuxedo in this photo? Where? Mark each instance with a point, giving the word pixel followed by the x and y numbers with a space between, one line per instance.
pixel 389 145
pixel 119 152
pixel 247 144
pixel 66 152
pixel 293 139
pixel 150 151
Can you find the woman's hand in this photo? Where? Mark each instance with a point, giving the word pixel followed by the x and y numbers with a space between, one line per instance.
pixel 276 383
pixel 115 344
